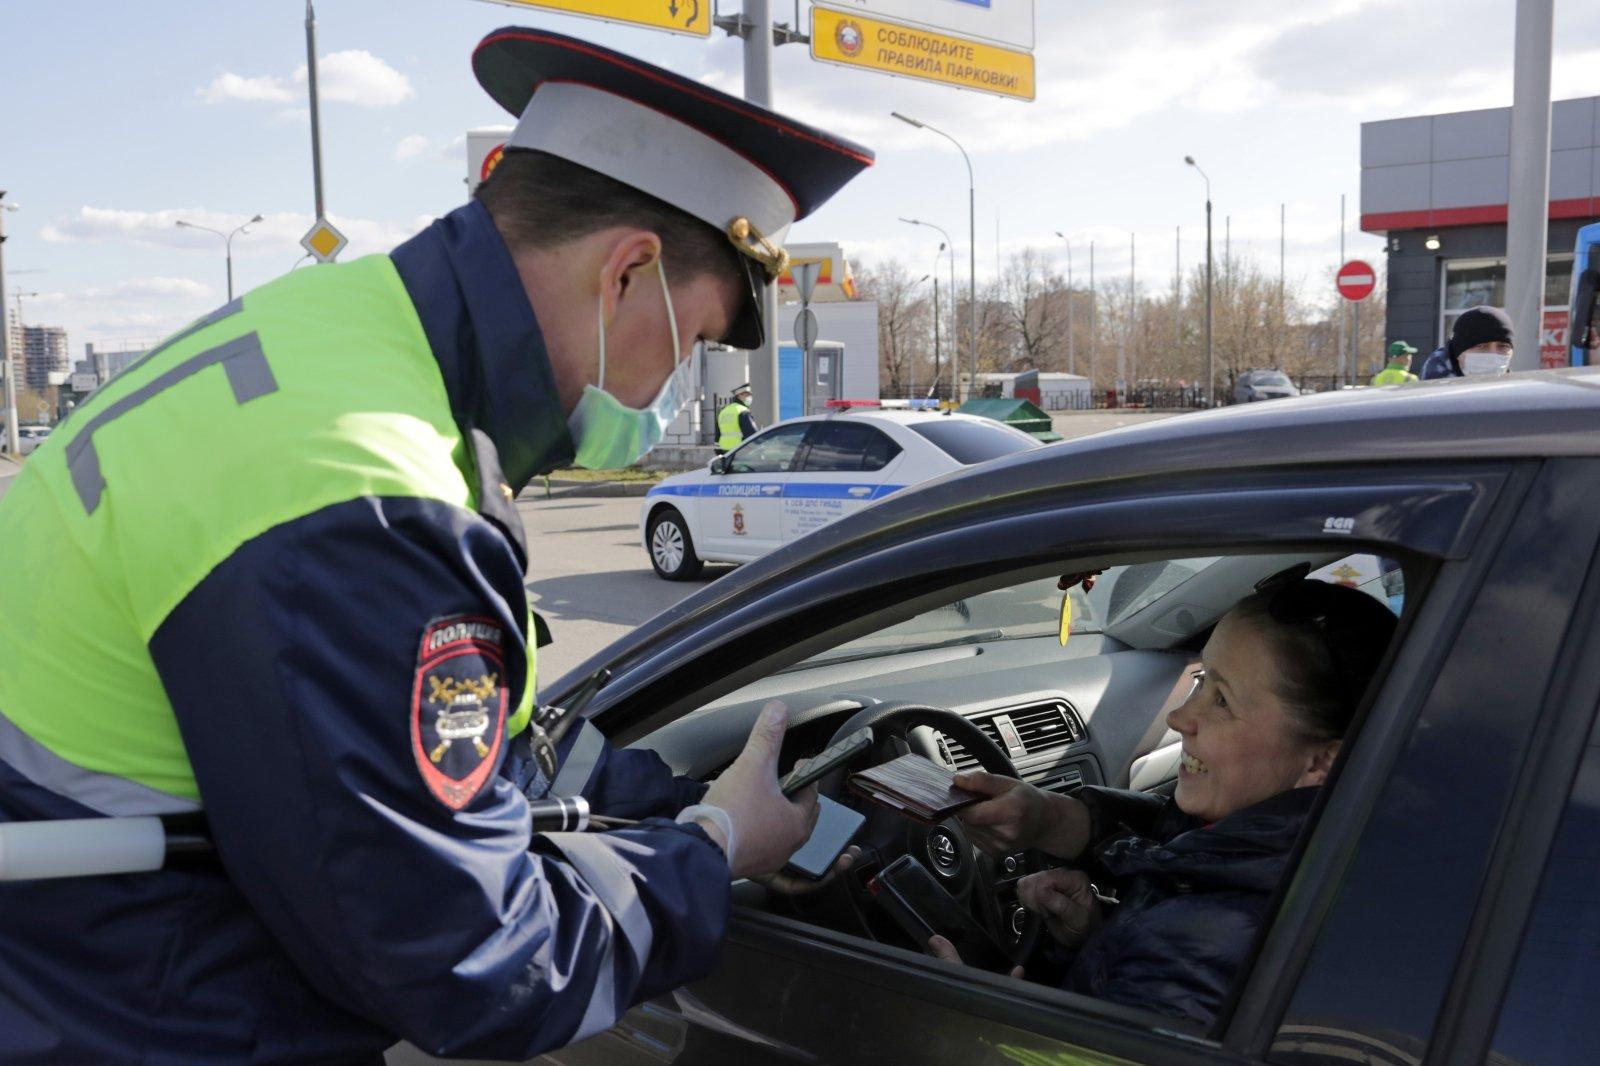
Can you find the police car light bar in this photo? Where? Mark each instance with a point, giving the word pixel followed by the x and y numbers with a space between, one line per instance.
pixel 887 405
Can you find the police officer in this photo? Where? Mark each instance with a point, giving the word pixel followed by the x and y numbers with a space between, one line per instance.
pixel 1398 372
pixel 272 575
pixel 735 424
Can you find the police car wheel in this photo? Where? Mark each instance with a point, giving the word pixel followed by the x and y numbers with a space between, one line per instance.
pixel 671 550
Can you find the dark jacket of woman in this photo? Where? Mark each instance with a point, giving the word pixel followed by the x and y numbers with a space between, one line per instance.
pixel 1192 897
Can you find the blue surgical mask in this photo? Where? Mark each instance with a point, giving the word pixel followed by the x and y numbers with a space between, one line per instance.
pixel 608 435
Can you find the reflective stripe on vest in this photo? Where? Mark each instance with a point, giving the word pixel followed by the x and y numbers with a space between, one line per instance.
pixel 315 389
pixel 729 435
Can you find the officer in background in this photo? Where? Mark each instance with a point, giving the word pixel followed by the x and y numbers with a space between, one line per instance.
pixel 735 424
pixel 1398 372
pixel 273 574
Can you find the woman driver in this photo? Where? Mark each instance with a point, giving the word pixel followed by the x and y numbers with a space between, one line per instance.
pixel 1280 679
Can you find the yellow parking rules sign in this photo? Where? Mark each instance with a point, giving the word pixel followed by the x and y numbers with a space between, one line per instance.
pixel 850 40
pixel 677 16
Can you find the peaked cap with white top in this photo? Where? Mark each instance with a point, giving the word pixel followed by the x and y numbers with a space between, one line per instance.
pixel 747 172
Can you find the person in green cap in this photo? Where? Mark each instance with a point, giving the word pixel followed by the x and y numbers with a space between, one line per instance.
pixel 1398 372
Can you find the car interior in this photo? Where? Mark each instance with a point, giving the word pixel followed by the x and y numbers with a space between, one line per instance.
pixel 982 677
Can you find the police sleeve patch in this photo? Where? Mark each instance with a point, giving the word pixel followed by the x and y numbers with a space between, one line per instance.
pixel 458 706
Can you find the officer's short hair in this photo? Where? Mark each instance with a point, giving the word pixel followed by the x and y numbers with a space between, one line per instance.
pixel 540 201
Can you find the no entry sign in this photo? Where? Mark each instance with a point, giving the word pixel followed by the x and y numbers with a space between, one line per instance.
pixel 1356 280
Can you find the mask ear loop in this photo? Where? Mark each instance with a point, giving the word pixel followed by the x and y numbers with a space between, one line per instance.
pixel 600 308
pixel 672 316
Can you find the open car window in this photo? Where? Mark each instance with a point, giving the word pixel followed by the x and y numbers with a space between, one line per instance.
pixel 1066 716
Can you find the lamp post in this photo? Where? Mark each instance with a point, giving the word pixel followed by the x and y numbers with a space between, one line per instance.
pixel 227 243
pixel 936 354
pixel 7 356
pixel 952 246
pixel 1072 354
pixel 972 238
pixel 911 358
pixel 1211 395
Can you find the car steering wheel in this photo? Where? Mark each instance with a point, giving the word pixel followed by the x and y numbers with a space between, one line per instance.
pixel 964 870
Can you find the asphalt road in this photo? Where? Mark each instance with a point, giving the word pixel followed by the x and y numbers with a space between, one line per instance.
pixel 589 576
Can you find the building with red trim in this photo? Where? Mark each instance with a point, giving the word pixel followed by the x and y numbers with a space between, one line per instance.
pixel 1436 187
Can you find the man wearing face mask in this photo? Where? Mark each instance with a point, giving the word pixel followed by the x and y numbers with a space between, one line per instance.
pixel 1480 343
pixel 272 577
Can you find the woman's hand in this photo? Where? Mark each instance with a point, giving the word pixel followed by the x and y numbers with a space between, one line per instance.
pixel 940 948
pixel 1017 816
pixel 1066 902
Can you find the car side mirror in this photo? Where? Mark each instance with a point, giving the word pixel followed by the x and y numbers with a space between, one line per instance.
pixel 719 465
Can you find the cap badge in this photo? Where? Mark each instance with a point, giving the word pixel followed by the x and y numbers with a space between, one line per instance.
pixel 754 244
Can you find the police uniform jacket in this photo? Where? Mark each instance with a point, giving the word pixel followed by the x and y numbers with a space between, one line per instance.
pixel 270 574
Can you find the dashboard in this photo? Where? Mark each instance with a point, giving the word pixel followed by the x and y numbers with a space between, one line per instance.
pixel 1083 714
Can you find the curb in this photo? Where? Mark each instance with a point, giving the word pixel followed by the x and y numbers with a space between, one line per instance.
pixel 591 489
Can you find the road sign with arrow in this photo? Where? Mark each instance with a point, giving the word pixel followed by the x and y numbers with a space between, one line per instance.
pixel 692 17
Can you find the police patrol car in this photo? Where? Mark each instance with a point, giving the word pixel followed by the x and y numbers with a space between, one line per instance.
pixel 802 474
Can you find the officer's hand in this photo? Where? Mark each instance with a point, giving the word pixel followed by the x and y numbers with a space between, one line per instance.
pixel 787 884
pixel 1065 901
pixel 767 827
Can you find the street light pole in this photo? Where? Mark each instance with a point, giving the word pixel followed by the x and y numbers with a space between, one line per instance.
pixel 1211 378
pixel 972 238
pixel 1072 356
pixel 227 243
pixel 1528 214
pixel 954 325
pixel 936 354
pixel 13 444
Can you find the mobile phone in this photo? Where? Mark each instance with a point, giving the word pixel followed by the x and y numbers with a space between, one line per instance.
pixel 836 827
pixel 809 770
pixel 922 907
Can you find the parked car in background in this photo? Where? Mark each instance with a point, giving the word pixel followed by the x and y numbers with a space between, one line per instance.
pixel 804 474
pixel 30 437
pixel 1255 385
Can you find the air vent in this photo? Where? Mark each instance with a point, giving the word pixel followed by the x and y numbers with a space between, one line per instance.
pixel 955 755
pixel 1064 781
pixel 1050 725
pixel 1041 727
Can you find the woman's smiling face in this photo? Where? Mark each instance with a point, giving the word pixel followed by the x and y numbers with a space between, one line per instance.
pixel 1241 743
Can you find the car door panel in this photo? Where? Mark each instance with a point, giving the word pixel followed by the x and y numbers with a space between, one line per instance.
pixel 833 479
pixel 828 999
pixel 741 510
pixel 1420 804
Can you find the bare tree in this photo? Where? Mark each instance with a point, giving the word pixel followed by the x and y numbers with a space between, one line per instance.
pixel 905 323
pixel 1034 302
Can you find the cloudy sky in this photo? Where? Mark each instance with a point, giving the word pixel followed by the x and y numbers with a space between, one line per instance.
pixel 122 118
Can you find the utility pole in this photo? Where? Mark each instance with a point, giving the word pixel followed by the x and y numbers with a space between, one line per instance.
pixel 1177 292
pixel 1072 358
pixel 1094 344
pixel 316 113
pixel 1133 301
pixel 1283 222
pixel 755 27
pixel 1343 313
pixel 13 445
pixel 1211 377
pixel 1527 221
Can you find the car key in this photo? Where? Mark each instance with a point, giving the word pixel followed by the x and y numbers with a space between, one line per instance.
pixel 808 770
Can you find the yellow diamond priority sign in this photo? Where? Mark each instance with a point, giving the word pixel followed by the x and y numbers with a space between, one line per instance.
pixel 323 241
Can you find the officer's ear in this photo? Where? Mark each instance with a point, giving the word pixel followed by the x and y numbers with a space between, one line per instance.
pixel 633 251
